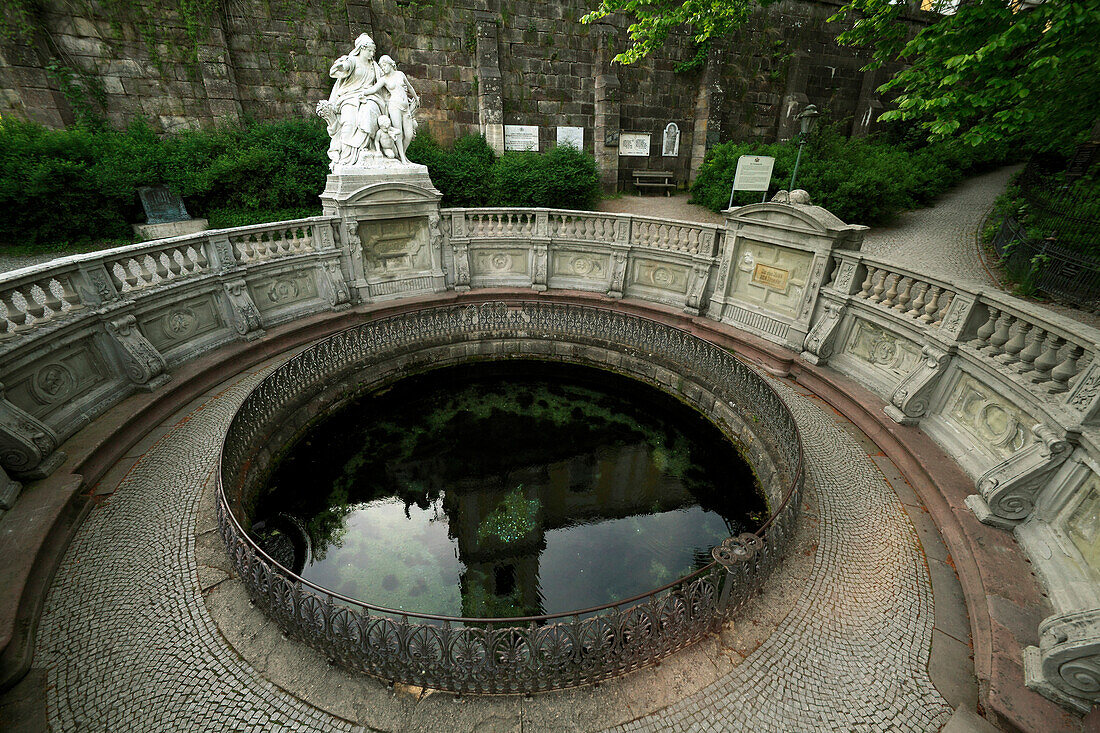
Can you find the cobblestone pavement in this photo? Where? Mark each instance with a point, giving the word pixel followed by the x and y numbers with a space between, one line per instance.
pixel 853 653
pixel 128 643
pixel 940 240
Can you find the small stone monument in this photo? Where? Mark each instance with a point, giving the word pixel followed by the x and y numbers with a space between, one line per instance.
pixel 390 226
pixel 165 215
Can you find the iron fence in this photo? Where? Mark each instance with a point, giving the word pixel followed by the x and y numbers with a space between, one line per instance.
pixel 1048 266
pixel 510 655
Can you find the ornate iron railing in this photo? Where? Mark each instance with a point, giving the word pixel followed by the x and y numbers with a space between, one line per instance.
pixel 510 655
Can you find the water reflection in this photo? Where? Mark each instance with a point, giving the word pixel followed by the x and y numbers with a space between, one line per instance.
pixel 506 489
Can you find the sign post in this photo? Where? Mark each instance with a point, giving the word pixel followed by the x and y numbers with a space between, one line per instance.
pixel 754 173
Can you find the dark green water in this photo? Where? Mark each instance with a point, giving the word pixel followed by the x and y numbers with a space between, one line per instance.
pixel 506 489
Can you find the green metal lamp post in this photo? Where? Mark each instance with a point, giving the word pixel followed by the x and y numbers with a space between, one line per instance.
pixel 806 119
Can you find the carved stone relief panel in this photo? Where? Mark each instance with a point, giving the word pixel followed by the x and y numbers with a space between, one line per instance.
pixel 499 262
pixel 58 378
pixel 395 246
pixel 989 418
pixel 276 291
pixel 1083 523
pixel 580 265
pixel 771 276
pixel 181 322
pixel 891 355
pixel 662 275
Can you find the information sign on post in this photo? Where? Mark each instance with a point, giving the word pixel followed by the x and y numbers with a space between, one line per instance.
pixel 754 173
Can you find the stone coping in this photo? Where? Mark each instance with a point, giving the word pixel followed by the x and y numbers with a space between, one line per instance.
pixel 1002 594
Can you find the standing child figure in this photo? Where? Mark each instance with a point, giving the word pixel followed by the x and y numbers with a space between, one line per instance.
pixel 401 105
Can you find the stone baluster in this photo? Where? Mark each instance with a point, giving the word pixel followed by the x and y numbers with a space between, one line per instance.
pixel 865 290
pixel 945 302
pixel 916 306
pixel 1048 359
pixel 981 338
pixel 876 293
pixel 33 308
pixel 1065 371
pixel 1016 343
pixel 1000 337
pixel 905 295
pixel 892 293
pixel 10 318
pixel 1031 351
pixel 933 304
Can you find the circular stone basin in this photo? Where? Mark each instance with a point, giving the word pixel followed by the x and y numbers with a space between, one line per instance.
pixel 503 489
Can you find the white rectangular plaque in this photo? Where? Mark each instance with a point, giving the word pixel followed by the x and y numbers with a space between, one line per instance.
pixel 521 137
pixel 754 173
pixel 634 143
pixel 572 136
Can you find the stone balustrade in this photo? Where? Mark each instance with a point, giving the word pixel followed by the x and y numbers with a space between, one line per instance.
pixel 1007 388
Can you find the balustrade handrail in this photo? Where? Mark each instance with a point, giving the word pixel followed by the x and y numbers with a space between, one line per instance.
pixel 69 262
pixel 1066 327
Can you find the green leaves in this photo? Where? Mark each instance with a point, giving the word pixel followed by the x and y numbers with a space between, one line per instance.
pixel 989 73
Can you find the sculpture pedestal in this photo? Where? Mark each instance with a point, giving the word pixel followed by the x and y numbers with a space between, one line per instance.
pixel 348 181
pixel 390 232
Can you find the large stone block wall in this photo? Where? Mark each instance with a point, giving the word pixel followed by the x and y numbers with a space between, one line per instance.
pixel 476 63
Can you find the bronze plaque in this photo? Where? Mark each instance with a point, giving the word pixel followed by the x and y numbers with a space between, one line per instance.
pixel 772 277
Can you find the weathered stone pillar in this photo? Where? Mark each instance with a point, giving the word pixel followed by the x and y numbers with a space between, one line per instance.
pixel 707 129
pixel 490 101
pixel 868 104
pixel 794 99
pixel 606 142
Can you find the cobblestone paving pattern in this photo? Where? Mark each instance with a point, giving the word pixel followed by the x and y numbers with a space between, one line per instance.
pixel 129 645
pixel 853 653
pixel 125 633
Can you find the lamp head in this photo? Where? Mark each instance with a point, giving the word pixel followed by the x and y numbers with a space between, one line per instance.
pixel 807 117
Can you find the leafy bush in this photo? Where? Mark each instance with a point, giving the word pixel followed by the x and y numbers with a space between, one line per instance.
pixel 71 186
pixel 470 174
pixel 65 188
pixel 563 177
pixel 861 180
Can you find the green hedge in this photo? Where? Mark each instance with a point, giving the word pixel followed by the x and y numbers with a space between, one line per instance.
pixel 470 174
pixel 66 187
pixel 861 180
pixel 62 189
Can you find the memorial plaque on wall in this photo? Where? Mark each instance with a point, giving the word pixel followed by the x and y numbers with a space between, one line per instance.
pixel 161 205
pixel 670 144
pixel 634 143
pixel 572 136
pixel 521 137
pixel 773 277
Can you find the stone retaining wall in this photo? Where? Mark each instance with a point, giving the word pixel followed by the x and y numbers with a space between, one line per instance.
pixel 478 64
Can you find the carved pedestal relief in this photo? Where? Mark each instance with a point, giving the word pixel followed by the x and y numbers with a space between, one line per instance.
pixel 818 346
pixel 243 312
pixel 28 447
pixel 335 286
pixel 892 356
pixel 910 399
pixel 1009 490
pixel 141 361
pixel 1065 667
